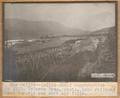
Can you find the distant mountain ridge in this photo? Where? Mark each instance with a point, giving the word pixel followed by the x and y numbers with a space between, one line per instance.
pixel 22 29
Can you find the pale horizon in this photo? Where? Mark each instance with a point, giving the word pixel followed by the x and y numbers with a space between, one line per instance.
pixel 85 16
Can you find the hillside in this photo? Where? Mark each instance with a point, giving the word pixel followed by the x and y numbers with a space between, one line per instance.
pixel 64 58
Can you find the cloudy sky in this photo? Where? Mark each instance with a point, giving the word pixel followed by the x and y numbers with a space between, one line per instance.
pixel 86 16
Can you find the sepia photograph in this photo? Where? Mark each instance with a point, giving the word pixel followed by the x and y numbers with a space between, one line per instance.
pixel 60 42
